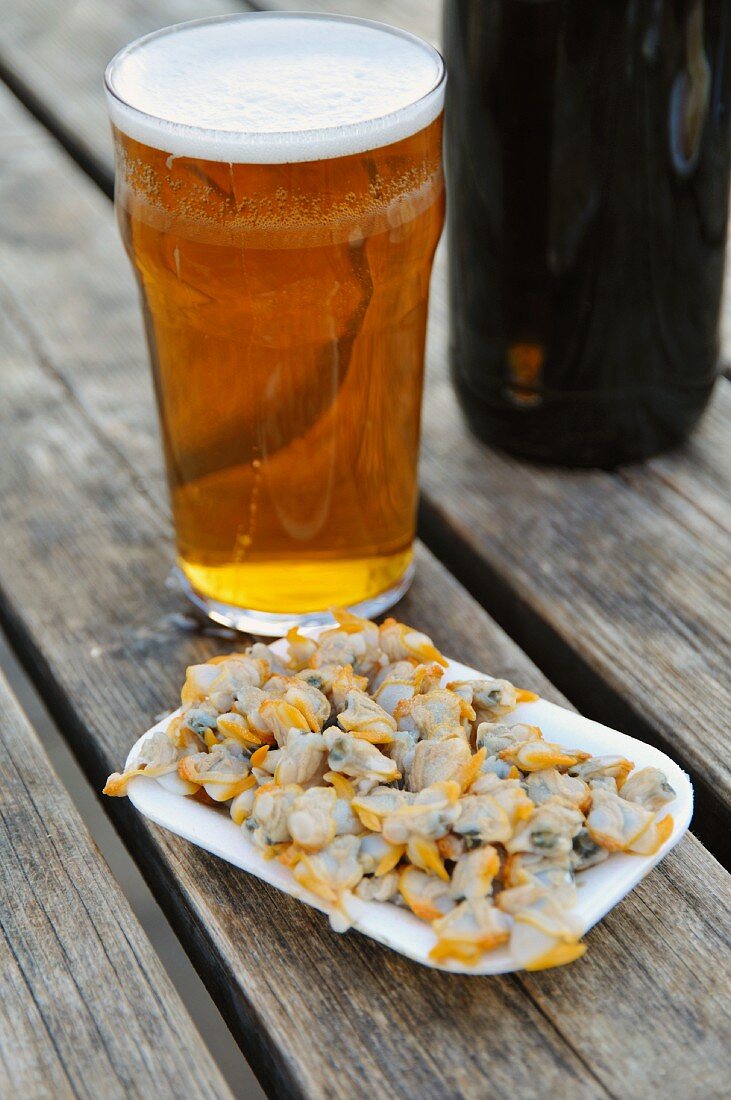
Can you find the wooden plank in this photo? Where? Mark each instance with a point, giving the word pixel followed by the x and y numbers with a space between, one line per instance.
pixel 315 1014
pixel 86 1008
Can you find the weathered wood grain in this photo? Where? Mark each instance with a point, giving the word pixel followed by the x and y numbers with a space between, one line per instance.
pixel 83 593
pixel 86 1009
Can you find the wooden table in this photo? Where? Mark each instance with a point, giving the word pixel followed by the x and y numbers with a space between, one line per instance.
pixel 611 591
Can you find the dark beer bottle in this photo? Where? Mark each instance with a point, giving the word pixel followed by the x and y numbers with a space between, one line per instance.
pixel 587 146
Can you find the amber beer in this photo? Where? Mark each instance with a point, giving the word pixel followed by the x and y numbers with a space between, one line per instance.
pixel 282 228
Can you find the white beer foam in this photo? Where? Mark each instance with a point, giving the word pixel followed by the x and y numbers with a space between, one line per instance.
pixel 271 88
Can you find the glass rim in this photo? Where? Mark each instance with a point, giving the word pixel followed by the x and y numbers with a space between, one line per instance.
pixel 259 138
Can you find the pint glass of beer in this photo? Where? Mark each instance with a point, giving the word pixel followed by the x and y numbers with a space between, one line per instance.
pixel 279 192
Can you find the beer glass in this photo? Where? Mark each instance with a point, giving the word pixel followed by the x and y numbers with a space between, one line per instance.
pixel 279 192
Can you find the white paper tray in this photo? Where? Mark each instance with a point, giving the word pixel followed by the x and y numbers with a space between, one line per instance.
pixel 599 888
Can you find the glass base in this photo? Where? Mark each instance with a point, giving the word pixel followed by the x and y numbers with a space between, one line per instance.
pixel 276 626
